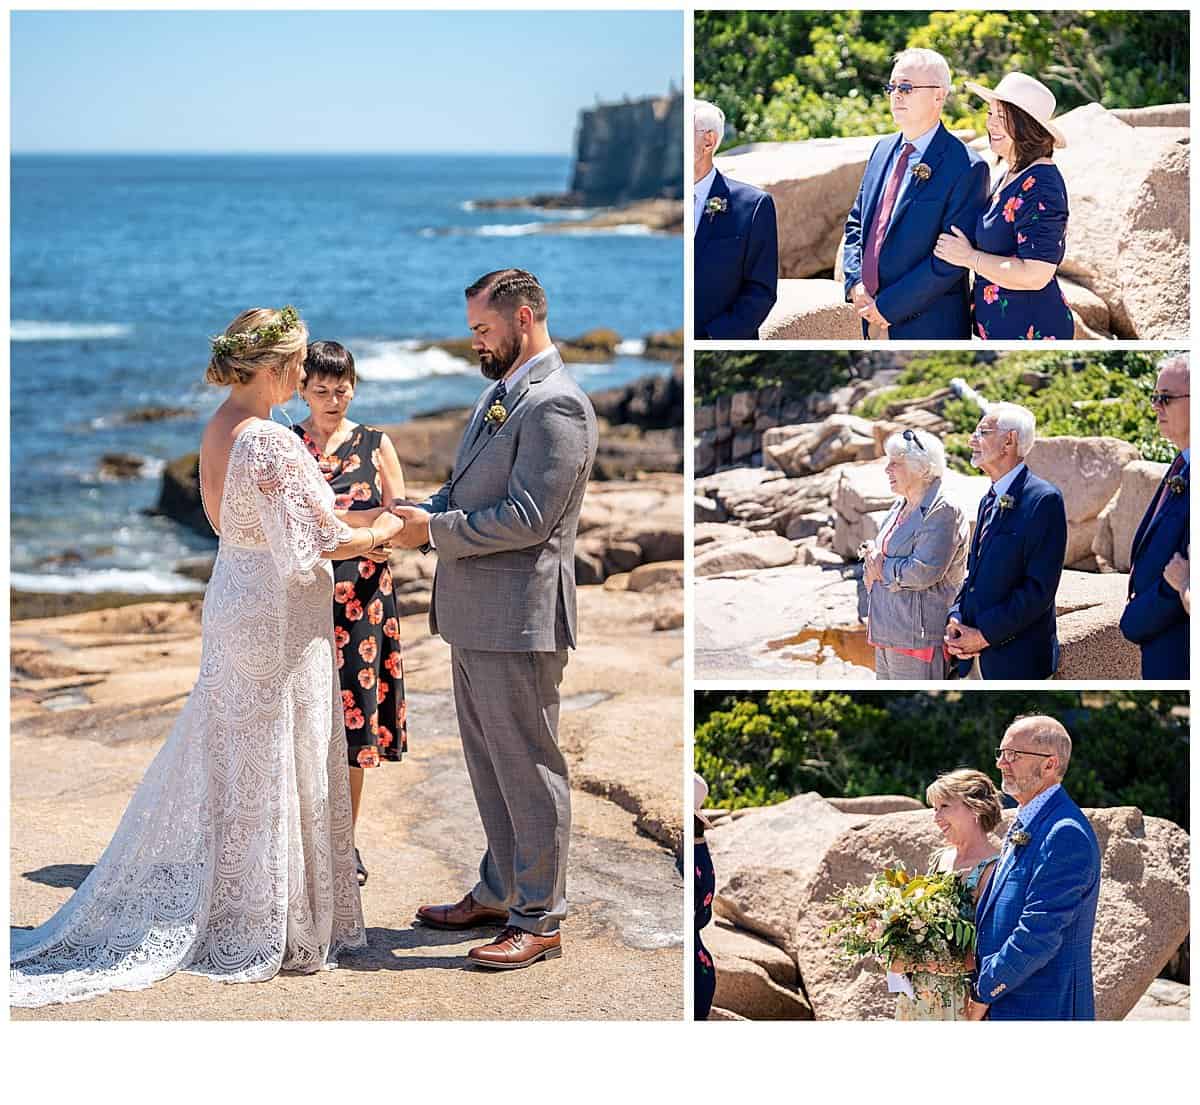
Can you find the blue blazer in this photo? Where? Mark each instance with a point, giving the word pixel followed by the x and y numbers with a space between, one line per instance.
pixel 1011 582
pixel 920 296
pixel 1035 922
pixel 737 262
pixel 1154 617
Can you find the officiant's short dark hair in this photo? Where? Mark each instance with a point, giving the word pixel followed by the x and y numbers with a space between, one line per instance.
pixel 508 289
pixel 328 358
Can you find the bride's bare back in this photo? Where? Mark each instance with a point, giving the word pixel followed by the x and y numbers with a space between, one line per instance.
pixel 216 445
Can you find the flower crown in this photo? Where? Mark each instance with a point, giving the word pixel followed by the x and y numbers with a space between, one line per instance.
pixel 226 344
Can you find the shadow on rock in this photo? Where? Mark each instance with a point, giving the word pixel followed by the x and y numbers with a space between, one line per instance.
pixel 61 875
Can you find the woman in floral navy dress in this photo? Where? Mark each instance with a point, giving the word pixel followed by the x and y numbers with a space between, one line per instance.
pixel 1020 238
pixel 704 974
pixel 361 466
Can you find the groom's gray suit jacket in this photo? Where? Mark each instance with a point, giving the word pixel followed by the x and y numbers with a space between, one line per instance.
pixel 504 524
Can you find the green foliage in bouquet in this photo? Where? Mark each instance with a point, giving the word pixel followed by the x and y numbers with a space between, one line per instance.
pixel 1104 393
pixel 757 748
pixel 790 75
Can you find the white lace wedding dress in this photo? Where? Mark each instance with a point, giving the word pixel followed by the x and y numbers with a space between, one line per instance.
pixel 235 857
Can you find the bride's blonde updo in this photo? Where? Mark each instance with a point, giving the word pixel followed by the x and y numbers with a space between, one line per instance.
pixel 974 789
pixel 258 338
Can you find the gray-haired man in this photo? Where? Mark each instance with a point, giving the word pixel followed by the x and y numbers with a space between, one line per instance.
pixel 504 529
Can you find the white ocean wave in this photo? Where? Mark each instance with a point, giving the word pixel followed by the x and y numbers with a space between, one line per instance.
pixel 404 360
pixel 631 347
pixel 29 330
pixel 123 580
pixel 508 230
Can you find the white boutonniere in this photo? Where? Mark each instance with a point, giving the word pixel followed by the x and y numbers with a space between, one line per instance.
pixel 715 205
pixel 1007 502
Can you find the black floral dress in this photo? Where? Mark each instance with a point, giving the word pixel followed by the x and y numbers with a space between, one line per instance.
pixel 366 628
pixel 704 970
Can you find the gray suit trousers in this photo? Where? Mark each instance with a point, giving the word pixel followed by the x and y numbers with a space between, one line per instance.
pixel 507 706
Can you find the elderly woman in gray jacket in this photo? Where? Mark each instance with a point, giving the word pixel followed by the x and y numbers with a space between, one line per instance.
pixel 912 571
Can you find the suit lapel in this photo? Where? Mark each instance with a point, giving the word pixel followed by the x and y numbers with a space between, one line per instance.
pixel 1005 868
pixel 933 158
pixel 875 191
pixel 1152 516
pixel 704 231
pixel 1014 493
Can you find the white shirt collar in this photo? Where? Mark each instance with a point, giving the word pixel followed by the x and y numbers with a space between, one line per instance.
pixel 1029 811
pixel 522 369
pixel 704 185
pixel 1001 486
pixel 921 142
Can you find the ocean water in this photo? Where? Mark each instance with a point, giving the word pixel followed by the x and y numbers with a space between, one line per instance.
pixel 123 266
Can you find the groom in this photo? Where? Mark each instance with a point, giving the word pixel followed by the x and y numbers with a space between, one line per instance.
pixel 1002 625
pixel 1035 919
pixel 503 527
pixel 918 185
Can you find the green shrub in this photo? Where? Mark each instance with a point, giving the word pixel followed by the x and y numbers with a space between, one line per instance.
pixel 759 748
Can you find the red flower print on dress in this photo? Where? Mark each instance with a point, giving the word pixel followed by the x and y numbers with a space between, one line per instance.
pixel 368 757
pixel 1029 334
pixel 340 637
pixel 708 898
pixel 354 718
pixel 385 737
pixel 360 492
pixel 354 610
pixel 392 663
pixel 347 700
pixel 366 568
pixel 982 331
pixel 384 689
pixel 366 678
pixel 368 650
pixel 343 592
pixel 342 502
pixel 1021 238
pixel 1012 205
pixel 391 628
pixel 375 611
pixel 385 581
pixel 1041 207
pixel 353 464
pixel 1027 183
pixel 991 293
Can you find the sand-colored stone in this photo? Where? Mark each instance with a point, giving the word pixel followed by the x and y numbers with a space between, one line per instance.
pixel 770 551
pixel 1088 606
pixel 1087 470
pixel 811 309
pixel 725 941
pixel 1091 313
pixel 747 989
pixel 1120 519
pixel 876 804
pixel 711 534
pixel 814 446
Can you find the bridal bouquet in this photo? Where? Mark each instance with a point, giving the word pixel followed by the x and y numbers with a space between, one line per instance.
pixel 913 923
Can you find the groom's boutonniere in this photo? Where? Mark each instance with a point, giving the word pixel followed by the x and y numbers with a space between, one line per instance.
pixel 1007 502
pixel 496 414
pixel 715 205
pixel 921 171
pixel 1177 485
pixel 1020 838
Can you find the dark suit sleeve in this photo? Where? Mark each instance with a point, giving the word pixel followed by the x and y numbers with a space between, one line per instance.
pixel 1156 609
pixel 852 250
pixel 760 276
pixel 1046 547
pixel 932 278
pixel 551 453
pixel 1065 871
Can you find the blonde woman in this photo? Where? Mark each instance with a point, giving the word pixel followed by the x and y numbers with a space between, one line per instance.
pixel 235 857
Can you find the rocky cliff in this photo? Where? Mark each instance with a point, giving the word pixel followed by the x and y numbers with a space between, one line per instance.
pixel 630 151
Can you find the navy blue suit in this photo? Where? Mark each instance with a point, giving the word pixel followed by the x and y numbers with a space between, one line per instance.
pixel 1035 921
pixel 1154 617
pixel 919 295
pixel 1011 582
pixel 737 262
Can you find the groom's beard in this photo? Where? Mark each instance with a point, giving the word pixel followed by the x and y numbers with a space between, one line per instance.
pixel 495 365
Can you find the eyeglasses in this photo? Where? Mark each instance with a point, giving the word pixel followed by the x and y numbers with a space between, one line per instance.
pixel 1165 398
pixel 1007 755
pixel 905 87
pixel 911 437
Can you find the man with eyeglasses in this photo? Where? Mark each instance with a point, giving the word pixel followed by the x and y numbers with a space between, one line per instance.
pixel 1002 625
pixel 918 185
pixel 1154 618
pixel 1036 917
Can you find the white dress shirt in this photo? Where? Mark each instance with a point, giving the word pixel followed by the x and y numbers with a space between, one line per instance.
pixel 702 187
pixel 920 144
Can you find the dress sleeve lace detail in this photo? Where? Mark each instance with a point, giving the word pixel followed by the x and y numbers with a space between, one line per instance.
pixel 295 503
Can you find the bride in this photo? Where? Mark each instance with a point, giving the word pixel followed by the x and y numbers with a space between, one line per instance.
pixel 235 857
pixel 966 808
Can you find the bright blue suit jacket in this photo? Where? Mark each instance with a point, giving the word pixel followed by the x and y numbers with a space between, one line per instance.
pixel 1008 594
pixel 1035 922
pixel 919 295
pixel 737 262
pixel 1154 617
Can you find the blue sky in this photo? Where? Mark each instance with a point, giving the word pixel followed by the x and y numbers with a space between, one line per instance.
pixel 332 82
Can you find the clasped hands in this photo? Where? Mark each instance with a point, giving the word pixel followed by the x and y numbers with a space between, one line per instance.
pixel 872 560
pixel 864 304
pixel 964 641
pixel 414 533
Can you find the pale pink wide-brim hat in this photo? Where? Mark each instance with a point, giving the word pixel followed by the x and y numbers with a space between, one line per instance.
pixel 699 796
pixel 1030 95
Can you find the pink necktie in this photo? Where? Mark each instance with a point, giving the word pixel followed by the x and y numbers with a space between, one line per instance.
pixel 883 216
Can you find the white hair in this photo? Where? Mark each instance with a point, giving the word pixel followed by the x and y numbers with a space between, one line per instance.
pixel 929 60
pixel 1172 360
pixel 1012 416
pixel 706 117
pixel 923 453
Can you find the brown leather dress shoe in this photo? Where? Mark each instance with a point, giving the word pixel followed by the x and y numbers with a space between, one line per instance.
pixel 515 948
pixel 466 914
